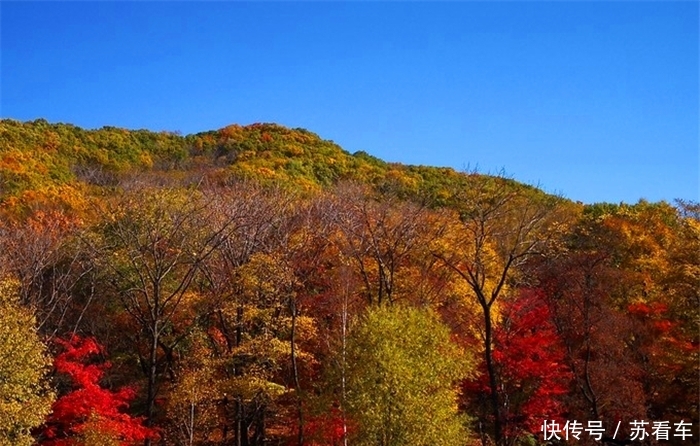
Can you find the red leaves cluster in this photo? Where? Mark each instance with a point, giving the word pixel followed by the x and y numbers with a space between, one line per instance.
pixel 530 361
pixel 327 429
pixel 89 406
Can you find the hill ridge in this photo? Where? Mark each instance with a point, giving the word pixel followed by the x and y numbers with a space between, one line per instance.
pixel 43 161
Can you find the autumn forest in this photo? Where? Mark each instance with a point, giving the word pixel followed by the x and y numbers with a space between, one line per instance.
pixel 258 285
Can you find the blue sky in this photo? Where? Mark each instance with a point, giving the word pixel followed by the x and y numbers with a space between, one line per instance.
pixel 594 100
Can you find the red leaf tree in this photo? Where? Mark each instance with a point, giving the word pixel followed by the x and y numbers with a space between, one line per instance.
pixel 90 411
pixel 531 369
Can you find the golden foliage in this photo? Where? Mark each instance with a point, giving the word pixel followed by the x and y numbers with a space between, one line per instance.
pixel 25 396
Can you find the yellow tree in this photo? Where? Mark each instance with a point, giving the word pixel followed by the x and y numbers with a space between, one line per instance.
pixel 234 372
pixel 25 396
pixel 254 325
pixel 402 375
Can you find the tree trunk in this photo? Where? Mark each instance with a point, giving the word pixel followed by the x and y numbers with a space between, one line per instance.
pixel 488 355
pixel 295 370
pixel 238 423
pixel 152 374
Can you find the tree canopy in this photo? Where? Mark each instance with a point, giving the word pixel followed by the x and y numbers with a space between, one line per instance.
pixel 257 285
pixel 402 367
pixel 25 395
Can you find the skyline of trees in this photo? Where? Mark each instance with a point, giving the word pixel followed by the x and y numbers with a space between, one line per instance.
pixel 239 310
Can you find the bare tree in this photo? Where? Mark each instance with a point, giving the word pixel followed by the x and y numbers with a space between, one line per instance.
pixel 379 236
pixel 43 252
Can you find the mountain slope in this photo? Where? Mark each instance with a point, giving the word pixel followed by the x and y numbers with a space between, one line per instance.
pixel 58 163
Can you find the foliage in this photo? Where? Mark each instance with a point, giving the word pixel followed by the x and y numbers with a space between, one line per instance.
pixel 402 370
pixel 529 359
pixel 90 414
pixel 47 165
pixel 25 397
pixel 328 428
pixel 656 249
pixel 224 271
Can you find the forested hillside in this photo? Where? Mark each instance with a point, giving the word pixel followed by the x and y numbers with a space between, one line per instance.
pixel 257 285
pixel 58 163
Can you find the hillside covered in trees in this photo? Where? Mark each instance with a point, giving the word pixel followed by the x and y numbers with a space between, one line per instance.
pixel 257 285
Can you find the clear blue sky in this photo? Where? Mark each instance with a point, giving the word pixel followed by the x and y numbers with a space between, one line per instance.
pixel 595 100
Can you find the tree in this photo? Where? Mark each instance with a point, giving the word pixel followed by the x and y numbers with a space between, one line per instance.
pixel 624 298
pixel 231 379
pixel 153 247
pixel 90 414
pixel 530 362
pixel 581 288
pixel 253 321
pixel 381 237
pixel 40 252
pixel 25 397
pixel 329 428
pixel 402 370
pixel 500 228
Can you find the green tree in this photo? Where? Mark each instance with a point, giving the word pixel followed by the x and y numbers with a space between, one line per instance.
pixel 25 397
pixel 401 374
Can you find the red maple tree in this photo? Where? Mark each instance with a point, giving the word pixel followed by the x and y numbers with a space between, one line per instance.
pixel 90 408
pixel 531 368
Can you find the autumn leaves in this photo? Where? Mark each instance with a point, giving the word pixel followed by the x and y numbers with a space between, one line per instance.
pixel 234 313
